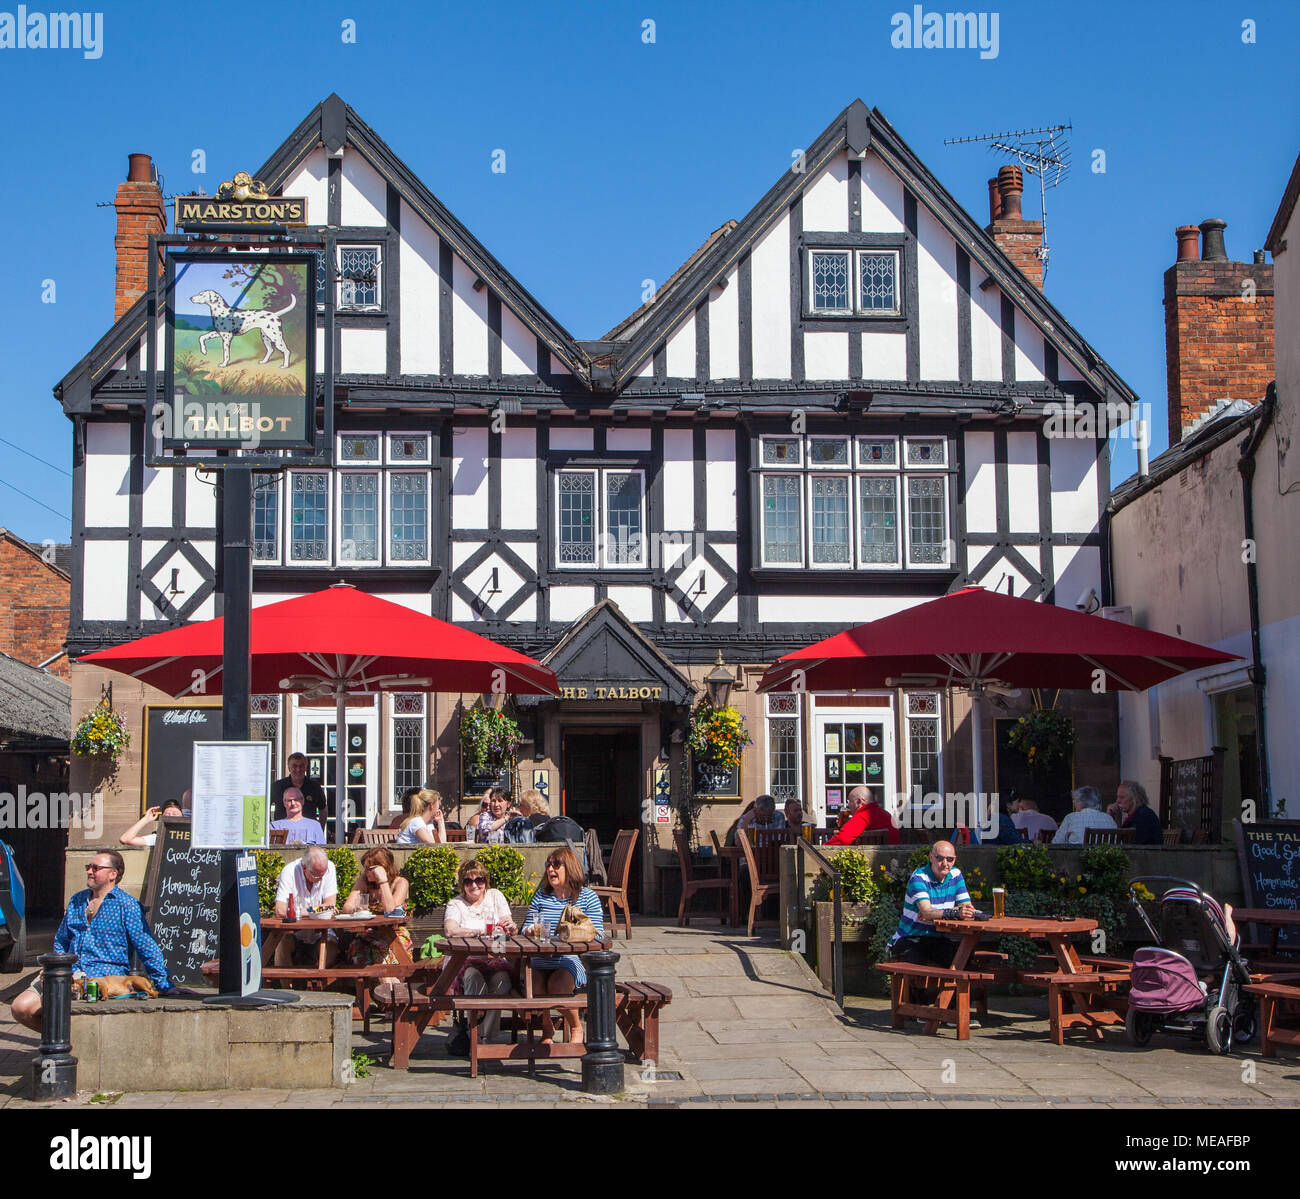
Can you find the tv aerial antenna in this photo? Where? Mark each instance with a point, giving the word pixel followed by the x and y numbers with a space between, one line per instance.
pixel 1043 152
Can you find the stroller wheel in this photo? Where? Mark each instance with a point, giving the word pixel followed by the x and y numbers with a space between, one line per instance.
pixel 1138 1026
pixel 1218 1029
pixel 1243 1023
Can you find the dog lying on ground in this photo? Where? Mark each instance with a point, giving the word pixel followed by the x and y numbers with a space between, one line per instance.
pixel 115 985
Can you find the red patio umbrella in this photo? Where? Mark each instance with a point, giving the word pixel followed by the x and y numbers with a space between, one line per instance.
pixel 339 641
pixel 975 638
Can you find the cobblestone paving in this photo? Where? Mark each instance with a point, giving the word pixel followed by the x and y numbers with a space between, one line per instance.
pixel 749 1024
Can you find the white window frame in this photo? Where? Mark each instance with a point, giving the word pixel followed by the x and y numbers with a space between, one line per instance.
pixel 351 463
pixel 860 464
pixel 797 717
pixel 288 558
pixel 923 467
pixel 945 563
pixel 798 476
pixel 601 560
pixel 851 310
pixel 851 497
pixel 281 548
pixel 387 505
pixel 378 247
pixel 897 309
pixel 391 435
pixel 381 522
pixel 936 719
pixel 394 804
pixel 899 545
pixel 767 466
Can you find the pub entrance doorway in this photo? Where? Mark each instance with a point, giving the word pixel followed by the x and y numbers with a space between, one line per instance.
pixel 602 786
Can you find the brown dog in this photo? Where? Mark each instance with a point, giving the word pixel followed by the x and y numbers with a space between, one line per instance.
pixel 116 985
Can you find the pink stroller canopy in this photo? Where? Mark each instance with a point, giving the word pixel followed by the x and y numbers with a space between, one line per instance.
pixel 1164 981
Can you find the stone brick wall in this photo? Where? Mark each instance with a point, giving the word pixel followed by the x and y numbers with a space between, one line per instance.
pixel 33 606
pixel 1218 336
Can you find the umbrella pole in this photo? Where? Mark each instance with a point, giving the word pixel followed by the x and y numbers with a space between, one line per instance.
pixel 977 745
pixel 340 765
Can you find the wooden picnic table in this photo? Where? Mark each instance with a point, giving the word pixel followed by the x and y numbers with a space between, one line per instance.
pixel 414 1010
pixel 1088 1005
pixel 275 929
pixel 1274 919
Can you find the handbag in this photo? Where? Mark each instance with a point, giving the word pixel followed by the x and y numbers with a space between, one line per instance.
pixel 575 925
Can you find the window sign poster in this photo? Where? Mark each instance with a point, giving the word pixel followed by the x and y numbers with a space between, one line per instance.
pixel 832 743
pixel 834 799
pixel 250 938
pixel 232 785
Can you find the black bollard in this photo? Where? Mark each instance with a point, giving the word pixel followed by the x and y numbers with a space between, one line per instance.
pixel 54 1069
pixel 602 1064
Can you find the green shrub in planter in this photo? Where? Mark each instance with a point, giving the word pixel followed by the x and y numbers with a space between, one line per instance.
pixel 505 865
pixel 431 873
pixel 346 867
pixel 269 865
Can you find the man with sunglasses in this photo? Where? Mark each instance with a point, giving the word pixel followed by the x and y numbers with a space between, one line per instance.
pixel 936 891
pixel 103 926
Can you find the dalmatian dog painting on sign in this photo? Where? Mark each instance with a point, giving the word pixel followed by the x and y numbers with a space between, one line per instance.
pixel 228 323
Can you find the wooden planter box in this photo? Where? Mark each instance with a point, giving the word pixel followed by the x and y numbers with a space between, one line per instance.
pixel 858 980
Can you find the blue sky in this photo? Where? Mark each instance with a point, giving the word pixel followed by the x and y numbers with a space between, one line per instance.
pixel 622 154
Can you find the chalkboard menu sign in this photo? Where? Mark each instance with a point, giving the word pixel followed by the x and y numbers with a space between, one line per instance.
pixel 181 899
pixel 169 737
pixel 474 784
pixel 1185 794
pixel 1268 852
pixel 712 778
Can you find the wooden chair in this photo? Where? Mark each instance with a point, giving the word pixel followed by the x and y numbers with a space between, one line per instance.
pixel 1173 836
pixel 1045 836
pixel 455 836
pixel 874 836
pixel 762 885
pixel 375 836
pixel 620 866
pixel 279 836
pixel 1109 836
pixel 693 886
pixel 1200 837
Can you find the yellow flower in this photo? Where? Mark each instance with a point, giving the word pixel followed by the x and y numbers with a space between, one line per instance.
pixel 1083 890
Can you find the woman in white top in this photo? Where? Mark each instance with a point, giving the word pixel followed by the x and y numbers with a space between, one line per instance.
pixel 478 905
pixel 135 835
pixel 425 823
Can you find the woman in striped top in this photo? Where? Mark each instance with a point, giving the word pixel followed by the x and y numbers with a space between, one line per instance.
pixel 566 883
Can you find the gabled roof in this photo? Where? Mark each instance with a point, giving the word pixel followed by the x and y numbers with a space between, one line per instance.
pixel 33 703
pixel 857 129
pixel 62 563
pixel 333 123
pixel 1273 241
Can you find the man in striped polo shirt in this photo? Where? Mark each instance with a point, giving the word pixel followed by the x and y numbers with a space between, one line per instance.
pixel 933 892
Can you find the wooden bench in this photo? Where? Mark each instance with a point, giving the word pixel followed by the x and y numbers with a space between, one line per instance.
pixel 636 1008
pixel 903 975
pixel 1088 1000
pixel 1277 998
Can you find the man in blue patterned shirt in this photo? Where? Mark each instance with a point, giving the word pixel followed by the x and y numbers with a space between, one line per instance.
pixel 102 926
pixel 933 892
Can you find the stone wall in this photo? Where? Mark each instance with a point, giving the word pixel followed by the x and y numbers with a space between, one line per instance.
pixel 179 1045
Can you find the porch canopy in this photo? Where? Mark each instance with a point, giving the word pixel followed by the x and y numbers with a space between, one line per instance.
pixel 977 640
pixel 338 642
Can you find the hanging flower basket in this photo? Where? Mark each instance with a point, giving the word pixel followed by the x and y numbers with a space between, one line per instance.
pixel 101 733
pixel 717 735
pixel 1044 737
pixel 488 737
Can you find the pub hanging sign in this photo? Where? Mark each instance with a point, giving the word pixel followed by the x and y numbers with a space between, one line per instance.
pixel 242 200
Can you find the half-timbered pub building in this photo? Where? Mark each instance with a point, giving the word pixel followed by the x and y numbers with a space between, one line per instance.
pixel 836 408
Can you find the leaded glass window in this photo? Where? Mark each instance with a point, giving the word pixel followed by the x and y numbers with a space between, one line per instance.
pixel 577 517
pixel 624 524
pixel 878 282
pixel 830 520
pixel 309 516
pixel 926 538
pixel 927 451
pixel 782 520
pixel 408 447
pixel 359 277
pixel 359 447
pixel 782 451
pixel 830 281
pixel 878 520
pixel 828 451
pixel 408 744
pixel 266 518
pixel 783 758
pixel 408 517
pixel 359 517
pixel 267 729
pixel 923 754
pixel 877 451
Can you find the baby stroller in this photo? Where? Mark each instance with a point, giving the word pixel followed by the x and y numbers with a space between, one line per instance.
pixel 1190 980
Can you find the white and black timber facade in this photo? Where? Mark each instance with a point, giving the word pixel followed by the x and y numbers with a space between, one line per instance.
pixel 833 410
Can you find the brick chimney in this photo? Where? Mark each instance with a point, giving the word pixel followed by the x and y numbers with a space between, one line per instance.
pixel 1019 239
pixel 1218 327
pixel 140 212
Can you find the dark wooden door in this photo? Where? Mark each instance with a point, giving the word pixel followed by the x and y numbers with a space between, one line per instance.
pixel 602 787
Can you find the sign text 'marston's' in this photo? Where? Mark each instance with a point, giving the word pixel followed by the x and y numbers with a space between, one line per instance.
pixel 199 210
